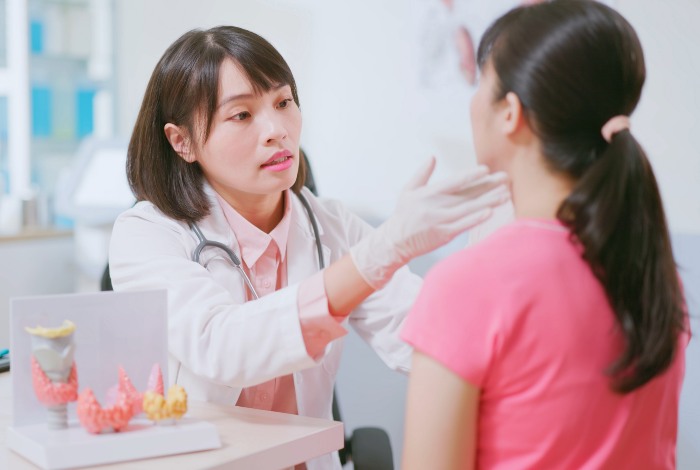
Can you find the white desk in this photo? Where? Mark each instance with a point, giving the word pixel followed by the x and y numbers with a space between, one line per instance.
pixel 250 439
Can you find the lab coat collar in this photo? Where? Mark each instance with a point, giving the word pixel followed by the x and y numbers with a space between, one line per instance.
pixel 300 241
pixel 215 227
pixel 252 241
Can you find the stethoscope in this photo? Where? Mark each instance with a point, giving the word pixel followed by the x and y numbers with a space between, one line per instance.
pixel 203 243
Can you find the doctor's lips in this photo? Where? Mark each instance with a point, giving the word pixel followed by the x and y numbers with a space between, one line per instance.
pixel 280 161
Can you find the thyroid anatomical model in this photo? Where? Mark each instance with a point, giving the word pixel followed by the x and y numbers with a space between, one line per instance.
pixel 114 416
pixel 121 405
pixel 159 408
pixel 54 374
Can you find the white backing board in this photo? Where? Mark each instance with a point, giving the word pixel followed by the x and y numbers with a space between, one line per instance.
pixel 127 329
pixel 112 329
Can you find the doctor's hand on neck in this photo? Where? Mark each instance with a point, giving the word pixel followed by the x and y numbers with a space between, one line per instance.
pixel 427 217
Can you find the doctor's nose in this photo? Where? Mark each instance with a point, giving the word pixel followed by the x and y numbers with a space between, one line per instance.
pixel 273 129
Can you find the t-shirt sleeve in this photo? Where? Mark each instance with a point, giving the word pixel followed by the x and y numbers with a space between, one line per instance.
pixel 456 319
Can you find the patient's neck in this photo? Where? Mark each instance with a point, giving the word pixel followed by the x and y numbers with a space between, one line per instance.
pixel 537 191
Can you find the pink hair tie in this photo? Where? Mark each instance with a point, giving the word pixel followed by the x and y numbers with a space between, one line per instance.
pixel 614 125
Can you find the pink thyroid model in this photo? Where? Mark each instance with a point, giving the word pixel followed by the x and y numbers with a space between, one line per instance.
pixel 127 404
pixel 96 419
pixel 54 373
pixel 54 393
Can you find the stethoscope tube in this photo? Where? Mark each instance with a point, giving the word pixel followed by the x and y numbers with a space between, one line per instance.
pixel 314 227
pixel 204 242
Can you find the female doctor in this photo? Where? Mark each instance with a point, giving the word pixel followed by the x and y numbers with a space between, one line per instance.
pixel 214 163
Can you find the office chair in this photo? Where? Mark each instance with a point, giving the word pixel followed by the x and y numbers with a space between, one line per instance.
pixel 368 448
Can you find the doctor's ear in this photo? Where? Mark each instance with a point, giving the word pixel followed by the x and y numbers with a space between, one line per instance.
pixel 513 117
pixel 179 141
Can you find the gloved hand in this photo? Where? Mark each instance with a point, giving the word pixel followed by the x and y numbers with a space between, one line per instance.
pixel 427 217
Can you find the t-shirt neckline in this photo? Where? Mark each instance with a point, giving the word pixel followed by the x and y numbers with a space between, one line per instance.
pixel 543 223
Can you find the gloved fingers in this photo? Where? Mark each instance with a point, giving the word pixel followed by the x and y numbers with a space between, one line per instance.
pixel 455 208
pixel 464 182
pixel 441 210
pixel 421 177
pixel 491 198
pixel 485 185
pixel 468 222
pixel 447 231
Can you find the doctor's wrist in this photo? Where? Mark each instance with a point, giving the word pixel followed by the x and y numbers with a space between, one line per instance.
pixel 345 287
pixel 376 258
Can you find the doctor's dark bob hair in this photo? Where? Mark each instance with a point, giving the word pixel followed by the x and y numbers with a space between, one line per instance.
pixel 183 90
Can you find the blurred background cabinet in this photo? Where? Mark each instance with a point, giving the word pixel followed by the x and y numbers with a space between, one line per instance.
pixel 57 88
pixel 57 93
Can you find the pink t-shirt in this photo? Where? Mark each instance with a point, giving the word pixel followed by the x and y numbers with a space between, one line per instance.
pixel 522 317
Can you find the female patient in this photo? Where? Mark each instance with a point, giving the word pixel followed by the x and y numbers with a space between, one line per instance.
pixel 559 341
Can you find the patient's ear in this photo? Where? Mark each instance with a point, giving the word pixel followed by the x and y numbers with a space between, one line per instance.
pixel 513 118
pixel 180 142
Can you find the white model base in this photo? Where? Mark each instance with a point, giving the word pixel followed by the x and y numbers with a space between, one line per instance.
pixel 75 447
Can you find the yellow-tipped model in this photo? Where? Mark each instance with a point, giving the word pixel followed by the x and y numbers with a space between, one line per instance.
pixel 67 328
pixel 158 408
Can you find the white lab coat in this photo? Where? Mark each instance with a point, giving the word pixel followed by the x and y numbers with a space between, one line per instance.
pixel 218 342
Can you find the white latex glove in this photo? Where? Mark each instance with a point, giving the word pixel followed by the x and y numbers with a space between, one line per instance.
pixel 427 217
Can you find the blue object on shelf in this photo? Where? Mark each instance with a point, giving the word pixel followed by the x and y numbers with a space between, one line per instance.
pixel 3 118
pixel 5 182
pixel 36 36
pixel 41 111
pixel 62 221
pixel 84 112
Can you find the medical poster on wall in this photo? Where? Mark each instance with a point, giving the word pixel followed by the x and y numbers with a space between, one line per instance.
pixel 447 35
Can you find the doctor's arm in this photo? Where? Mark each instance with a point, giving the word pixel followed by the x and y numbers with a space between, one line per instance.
pixel 426 217
pixel 345 287
pixel 441 418
pixel 211 331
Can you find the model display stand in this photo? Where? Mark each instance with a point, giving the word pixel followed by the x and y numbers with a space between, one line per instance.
pixel 75 447
pixel 110 333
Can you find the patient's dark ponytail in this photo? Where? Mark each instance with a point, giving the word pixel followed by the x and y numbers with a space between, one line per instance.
pixel 615 212
pixel 575 64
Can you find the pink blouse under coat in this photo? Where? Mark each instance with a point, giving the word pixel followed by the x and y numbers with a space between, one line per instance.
pixel 264 260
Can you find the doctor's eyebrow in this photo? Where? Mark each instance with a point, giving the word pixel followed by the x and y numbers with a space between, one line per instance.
pixel 245 96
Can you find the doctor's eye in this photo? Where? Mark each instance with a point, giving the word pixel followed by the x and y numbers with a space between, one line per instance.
pixel 241 116
pixel 285 103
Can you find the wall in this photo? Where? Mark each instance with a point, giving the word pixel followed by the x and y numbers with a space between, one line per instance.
pixel 141 40
pixel 687 251
pixel 666 121
pixel 369 123
pixel 355 81
pixel 34 266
